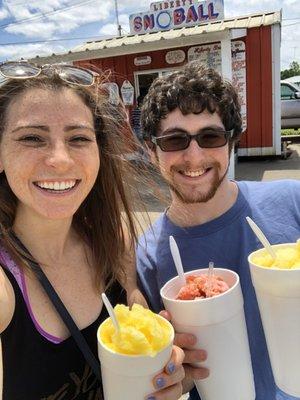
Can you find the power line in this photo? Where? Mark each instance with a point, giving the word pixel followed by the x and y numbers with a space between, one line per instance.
pixel 53 40
pixel 35 17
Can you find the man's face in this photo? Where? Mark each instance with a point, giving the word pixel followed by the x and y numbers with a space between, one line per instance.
pixel 194 174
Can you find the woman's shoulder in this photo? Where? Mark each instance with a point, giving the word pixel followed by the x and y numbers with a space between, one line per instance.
pixel 7 300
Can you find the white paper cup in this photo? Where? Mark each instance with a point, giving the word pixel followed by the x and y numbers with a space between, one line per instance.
pixel 219 324
pixel 278 296
pixel 129 377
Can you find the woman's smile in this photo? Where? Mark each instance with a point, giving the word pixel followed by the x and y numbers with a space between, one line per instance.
pixel 57 187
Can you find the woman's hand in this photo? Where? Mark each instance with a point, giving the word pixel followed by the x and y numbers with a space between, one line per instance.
pixel 187 343
pixel 168 384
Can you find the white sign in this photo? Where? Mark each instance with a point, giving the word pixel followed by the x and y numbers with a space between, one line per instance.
pixel 127 91
pixel 142 60
pixel 176 17
pixel 239 76
pixel 210 55
pixel 113 91
pixel 175 56
pixel 163 5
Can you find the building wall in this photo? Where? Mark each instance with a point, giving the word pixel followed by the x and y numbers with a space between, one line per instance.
pixel 259 88
pixel 123 67
pixel 259 81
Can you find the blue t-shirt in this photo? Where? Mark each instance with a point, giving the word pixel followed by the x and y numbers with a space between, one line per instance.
pixel 227 241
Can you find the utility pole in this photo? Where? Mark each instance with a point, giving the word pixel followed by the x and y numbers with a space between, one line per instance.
pixel 117 18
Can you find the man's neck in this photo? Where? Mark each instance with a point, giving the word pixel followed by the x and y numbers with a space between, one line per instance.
pixel 187 215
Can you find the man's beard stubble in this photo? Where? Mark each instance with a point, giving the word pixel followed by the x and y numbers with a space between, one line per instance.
pixel 199 197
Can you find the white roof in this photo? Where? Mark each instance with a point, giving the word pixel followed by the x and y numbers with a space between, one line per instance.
pixel 116 46
pixel 293 79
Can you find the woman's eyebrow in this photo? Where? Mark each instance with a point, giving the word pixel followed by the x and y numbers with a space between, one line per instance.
pixel 40 127
pixel 78 126
pixel 46 128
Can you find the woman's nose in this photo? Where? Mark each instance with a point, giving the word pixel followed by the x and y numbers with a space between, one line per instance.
pixel 59 156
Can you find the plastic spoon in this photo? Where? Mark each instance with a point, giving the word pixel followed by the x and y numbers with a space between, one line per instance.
pixel 111 312
pixel 177 260
pixel 210 274
pixel 261 237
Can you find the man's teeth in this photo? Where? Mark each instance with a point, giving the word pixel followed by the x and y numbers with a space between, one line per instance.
pixel 56 185
pixel 194 173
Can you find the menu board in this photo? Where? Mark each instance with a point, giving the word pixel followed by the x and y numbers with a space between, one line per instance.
pixel 210 55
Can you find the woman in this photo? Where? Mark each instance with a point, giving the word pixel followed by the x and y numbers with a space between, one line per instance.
pixel 63 195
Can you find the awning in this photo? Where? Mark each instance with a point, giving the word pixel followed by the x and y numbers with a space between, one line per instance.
pixel 130 44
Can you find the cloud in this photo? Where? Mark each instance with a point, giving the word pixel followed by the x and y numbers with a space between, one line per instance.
pixel 16 52
pixel 131 7
pixel 110 29
pixel 3 13
pixel 55 21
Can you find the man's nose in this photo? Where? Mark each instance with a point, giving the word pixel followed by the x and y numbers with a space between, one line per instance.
pixel 194 151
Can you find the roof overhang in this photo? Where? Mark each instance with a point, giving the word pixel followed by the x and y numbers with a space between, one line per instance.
pixel 118 46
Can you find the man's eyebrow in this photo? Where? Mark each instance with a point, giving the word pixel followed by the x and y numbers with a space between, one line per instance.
pixel 175 129
pixel 172 129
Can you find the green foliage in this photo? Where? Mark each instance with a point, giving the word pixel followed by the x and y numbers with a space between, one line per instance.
pixel 292 71
pixel 289 132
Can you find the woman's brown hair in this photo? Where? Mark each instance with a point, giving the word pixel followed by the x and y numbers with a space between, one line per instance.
pixel 104 220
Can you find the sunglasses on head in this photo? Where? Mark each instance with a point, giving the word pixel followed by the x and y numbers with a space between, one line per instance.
pixel 206 139
pixel 68 73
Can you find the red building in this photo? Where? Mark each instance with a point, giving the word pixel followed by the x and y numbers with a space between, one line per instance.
pixel 245 49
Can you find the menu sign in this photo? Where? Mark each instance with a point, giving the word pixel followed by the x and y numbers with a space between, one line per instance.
pixel 210 55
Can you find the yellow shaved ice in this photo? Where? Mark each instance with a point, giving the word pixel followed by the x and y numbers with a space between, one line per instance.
pixel 286 258
pixel 142 332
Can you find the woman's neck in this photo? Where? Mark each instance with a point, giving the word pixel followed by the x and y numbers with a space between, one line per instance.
pixel 47 240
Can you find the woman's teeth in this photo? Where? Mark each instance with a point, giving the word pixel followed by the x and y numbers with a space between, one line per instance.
pixel 56 185
pixel 194 174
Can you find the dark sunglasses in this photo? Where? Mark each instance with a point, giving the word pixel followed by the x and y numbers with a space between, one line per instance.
pixel 206 139
pixel 68 73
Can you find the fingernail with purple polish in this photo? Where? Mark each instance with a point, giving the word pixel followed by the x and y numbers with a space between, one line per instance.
pixel 160 382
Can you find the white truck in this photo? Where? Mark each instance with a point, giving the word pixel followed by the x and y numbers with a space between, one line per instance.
pixel 290 105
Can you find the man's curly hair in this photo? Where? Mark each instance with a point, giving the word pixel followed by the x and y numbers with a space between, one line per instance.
pixel 193 89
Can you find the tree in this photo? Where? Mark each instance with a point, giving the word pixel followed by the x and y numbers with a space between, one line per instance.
pixel 292 71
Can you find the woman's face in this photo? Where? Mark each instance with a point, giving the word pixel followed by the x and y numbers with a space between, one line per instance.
pixel 49 152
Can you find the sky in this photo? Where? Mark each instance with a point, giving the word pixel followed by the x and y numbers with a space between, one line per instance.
pixel 42 27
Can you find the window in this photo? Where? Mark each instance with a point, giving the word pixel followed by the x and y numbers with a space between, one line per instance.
pixel 287 92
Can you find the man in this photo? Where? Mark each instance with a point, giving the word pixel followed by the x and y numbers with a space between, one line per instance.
pixel 191 120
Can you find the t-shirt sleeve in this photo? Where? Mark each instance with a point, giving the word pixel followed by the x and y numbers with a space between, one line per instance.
pixel 147 277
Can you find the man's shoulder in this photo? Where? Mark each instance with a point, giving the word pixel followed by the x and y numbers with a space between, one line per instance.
pixel 254 189
pixel 154 230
